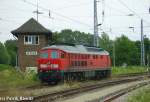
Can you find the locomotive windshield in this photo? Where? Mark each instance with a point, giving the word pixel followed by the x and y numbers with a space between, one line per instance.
pixel 44 55
pixel 54 54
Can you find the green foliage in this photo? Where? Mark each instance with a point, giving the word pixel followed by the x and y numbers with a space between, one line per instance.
pixel 126 51
pixel 74 37
pixel 12 50
pixel 10 78
pixel 106 43
pixel 126 70
pixel 141 96
pixel 4 56
pixel 4 67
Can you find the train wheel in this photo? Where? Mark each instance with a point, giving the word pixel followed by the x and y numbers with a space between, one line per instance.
pixel 108 73
pixel 42 81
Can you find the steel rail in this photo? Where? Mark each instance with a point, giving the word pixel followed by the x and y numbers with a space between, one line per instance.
pixel 114 95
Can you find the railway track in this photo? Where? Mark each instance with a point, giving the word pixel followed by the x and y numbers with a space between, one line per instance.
pixel 118 76
pixel 39 86
pixel 114 95
pixel 70 92
pixel 119 93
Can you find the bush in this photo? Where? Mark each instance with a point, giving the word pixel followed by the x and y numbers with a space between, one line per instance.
pixel 4 67
pixel 11 47
pixel 5 58
pixel 10 78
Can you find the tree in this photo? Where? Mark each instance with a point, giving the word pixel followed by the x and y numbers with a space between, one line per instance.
pixel 74 37
pixel 12 51
pixel 4 56
pixel 106 44
pixel 126 51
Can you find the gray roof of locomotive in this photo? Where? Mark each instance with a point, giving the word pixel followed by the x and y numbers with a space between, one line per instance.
pixel 78 49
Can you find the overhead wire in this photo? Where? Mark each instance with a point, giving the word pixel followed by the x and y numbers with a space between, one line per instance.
pixel 125 5
pixel 73 6
pixel 62 19
pixel 6 20
pixel 45 9
pixel 58 14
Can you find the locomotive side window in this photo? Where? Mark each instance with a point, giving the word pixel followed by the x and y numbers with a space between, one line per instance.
pixel 76 56
pixel 76 64
pixel 95 56
pixel 62 55
pixel 84 63
pixel 44 55
pixel 54 54
pixel 101 56
pixel 88 56
pixel 72 63
pixel 82 56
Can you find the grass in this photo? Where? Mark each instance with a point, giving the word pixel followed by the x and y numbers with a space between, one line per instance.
pixel 10 78
pixel 4 67
pixel 143 95
pixel 126 70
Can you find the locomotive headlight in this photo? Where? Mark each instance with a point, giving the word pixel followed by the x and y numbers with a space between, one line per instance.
pixel 54 65
pixel 43 65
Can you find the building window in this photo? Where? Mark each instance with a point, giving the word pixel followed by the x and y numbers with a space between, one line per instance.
pixel 31 39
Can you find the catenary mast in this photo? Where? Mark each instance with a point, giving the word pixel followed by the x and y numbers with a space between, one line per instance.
pixel 96 38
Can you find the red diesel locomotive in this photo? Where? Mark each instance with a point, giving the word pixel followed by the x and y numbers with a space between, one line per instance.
pixel 73 62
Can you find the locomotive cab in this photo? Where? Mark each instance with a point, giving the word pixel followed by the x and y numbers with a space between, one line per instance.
pixel 49 65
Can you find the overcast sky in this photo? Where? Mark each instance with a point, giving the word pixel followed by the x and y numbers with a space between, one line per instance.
pixel 76 15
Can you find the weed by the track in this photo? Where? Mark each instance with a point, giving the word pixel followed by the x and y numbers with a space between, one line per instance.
pixel 127 70
pixel 142 95
pixel 10 78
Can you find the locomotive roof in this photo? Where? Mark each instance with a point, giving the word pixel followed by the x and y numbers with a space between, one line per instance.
pixel 79 49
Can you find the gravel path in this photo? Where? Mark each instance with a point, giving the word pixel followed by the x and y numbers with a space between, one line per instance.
pixel 95 94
